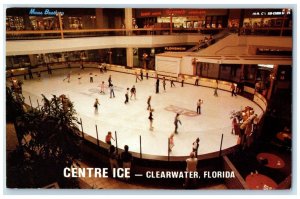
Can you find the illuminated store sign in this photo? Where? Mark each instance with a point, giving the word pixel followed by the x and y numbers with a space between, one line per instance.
pixel 175 48
pixel 277 13
pixel 48 12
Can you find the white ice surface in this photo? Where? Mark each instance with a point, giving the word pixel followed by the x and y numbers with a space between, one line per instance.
pixel 131 120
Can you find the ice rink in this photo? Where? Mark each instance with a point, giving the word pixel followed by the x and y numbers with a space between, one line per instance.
pixel 131 120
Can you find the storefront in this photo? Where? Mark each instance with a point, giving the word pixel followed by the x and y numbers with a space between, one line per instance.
pixel 259 18
pixel 47 18
pixel 181 18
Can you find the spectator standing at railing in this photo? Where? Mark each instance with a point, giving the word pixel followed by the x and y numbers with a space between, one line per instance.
pixel 126 158
pixel 191 166
pixel 113 157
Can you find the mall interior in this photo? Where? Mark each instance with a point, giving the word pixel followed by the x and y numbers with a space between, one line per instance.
pixel 247 52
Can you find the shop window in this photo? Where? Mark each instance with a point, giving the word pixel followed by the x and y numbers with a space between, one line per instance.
pixel 75 22
pixel 15 23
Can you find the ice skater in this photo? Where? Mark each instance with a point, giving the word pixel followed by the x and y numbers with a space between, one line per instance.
pixel 112 93
pixel 137 77
pixel 96 103
pixel 176 121
pixel 49 69
pixel 126 96
pixel 108 138
pixel 91 78
pixel 182 80
pixel 147 74
pixel 216 92
pixel 233 90
pixel 68 77
pixel 79 78
pixel 171 142
pixel 197 81
pixel 196 146
pixel 149 103
pixel 109 80
pixel 102 87
pixel 38 74
pixel 199 106
pixel 172 82
pixel 100 67
pixel 133 92
pixel 151 119
pixel 157 85
pixel 141 74
pixel 30 73
pixel 164 83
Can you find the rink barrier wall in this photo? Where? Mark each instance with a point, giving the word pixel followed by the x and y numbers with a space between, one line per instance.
pixel 212 83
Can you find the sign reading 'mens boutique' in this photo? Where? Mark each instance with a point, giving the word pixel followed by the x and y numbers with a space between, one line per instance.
pixel 47 12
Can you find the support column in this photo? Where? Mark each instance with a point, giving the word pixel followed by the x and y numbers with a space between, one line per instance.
pixel 129 57
pixel 272 81
pixel 128 20
pixel 99 18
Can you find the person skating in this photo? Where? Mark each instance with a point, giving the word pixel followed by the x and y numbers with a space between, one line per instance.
pixel 137 77
pixel 30 73
pixel 176 121
pixel 108 138
pixel 157 85
pixel 197 81
pixel 164 83
pixel 38 74
pixel 109 80
pixel 216 92
pixel 171 142
pixel 172 82
pixel 151 119
pixel 91 78
pixel 112 93
pixel 126 96
pixel 233 90
pixel 149 103
pixel 49 69
pixel 102 87
pixel 133 92
pixel 96 103
pixel 141 74
pixel 196 146
pixel 199 106
pixel 79 78
pixel 68 77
